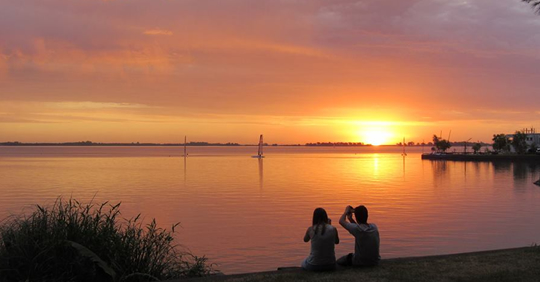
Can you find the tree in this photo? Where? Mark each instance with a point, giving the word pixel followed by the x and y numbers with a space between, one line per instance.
pixel 476 147
pixel 441 144
pixel 500 142
pixel 519 142
pixel 535 4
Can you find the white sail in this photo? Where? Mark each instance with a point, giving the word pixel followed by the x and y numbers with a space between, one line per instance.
pixel 260 152
pixel 260 149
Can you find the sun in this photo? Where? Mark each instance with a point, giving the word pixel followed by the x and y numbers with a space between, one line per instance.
pixel 376 132
pixel 375 137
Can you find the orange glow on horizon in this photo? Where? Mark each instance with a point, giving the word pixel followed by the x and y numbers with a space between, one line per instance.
pixel 376 137
pixel 377 132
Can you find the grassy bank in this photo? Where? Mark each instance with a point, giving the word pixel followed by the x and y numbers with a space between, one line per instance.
pixel 521 264
pixel 71 241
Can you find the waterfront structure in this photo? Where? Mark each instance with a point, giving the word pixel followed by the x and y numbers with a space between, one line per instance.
pixel 532 139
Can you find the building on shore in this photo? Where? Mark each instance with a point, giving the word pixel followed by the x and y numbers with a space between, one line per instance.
pixel 533 138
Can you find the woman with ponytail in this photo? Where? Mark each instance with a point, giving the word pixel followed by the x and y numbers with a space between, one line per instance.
pixel 323 237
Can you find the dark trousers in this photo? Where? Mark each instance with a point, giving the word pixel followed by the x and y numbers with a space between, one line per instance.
pixel 345 260
pixel 312 267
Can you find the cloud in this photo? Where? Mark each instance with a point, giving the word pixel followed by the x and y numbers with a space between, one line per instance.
pixel 72 112
pixel 92 105
pixel 5 118
pixel 157 31
pixel 370 60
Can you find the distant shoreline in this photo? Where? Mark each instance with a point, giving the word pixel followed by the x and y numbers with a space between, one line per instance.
pixel 203 144
pixel 82 144
pixel 191 144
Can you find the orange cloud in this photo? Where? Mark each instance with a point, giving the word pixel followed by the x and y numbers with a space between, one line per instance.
pixel 157 31
pixel 60 56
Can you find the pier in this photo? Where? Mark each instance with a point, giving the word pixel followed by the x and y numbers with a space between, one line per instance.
pixel 482 157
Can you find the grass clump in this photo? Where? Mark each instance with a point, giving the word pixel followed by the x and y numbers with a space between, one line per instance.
pixel 71 241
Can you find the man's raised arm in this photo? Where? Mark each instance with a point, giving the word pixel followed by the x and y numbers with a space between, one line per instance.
pixel 349 216
pixel 343 218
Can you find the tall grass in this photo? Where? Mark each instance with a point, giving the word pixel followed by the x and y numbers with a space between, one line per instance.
pixel 71 241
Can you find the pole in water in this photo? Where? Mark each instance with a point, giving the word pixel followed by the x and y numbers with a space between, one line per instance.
pixel 260 153
pixel 185 146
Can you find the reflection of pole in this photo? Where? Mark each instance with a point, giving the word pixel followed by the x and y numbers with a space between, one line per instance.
pixel 185 168
pixel 261 173
pixel 404 166
pixel 465 170
pixel 423 168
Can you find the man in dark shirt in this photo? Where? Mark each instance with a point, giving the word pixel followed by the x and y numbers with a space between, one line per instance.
pixel 366 246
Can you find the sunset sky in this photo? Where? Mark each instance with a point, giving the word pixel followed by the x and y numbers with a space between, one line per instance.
pixel 296 71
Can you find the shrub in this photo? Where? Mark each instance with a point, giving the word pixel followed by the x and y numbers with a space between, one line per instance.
pixel 71 241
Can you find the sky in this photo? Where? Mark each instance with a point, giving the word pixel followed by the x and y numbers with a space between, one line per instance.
pixel 297 71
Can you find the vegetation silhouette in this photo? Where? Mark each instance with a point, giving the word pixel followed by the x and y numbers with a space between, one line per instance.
pixel 501 142
pixel 519 142
pixel 71 241
pixel 476 147
pixel 441 144
pixel 535 4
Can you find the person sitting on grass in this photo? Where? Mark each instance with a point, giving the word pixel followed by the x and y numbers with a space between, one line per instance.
pixel 366 235
pixel 323 237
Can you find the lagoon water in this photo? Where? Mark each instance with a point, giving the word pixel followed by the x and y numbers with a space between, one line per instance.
pixel 249 215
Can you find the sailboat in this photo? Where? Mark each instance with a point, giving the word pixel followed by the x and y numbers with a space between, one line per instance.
pixel 260 151
pixel 403 154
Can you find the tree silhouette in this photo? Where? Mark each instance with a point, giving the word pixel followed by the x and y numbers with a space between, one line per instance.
pixel 500 142
pixel 519 142
pixel 441 144
pixel 476 147
pixel 535 4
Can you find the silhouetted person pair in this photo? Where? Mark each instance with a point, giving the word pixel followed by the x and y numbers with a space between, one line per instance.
pixel 324 237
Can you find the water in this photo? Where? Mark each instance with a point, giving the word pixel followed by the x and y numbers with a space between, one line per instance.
pixel 250 215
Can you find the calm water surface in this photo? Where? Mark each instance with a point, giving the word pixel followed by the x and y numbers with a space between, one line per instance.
pixel 250 215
